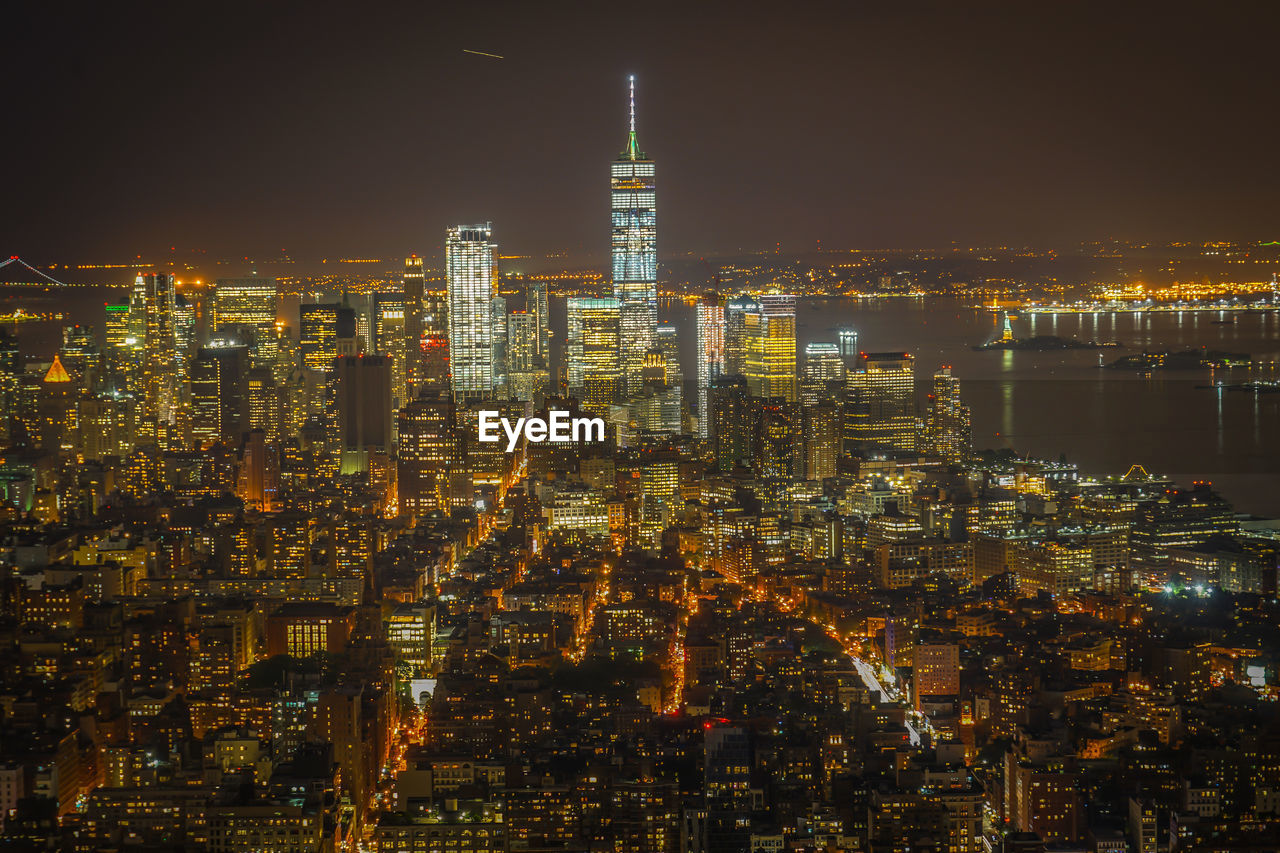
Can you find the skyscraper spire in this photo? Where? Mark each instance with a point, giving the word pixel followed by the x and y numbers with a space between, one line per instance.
pixel 633 148
pixel 635 257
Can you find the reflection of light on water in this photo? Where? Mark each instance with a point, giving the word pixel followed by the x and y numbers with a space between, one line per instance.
pixel 1006 405
pixel 1221 391
pixel 1257 419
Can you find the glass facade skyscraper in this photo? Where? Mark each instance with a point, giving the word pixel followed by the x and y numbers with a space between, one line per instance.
pixel 468 258
pixel 771 348
pixel 591 351
pixel 635 254
pixel 711 328
pixel 249 303
pixel 880 402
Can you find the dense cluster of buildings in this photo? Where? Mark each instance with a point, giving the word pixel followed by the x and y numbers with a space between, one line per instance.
pixel 263 589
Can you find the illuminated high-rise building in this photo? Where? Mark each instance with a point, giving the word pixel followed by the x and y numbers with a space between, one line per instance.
pixel 948 426
pixel 736 311
pixel 184 348
pixel 526 371
pixel 411 345
pixel 880 404
pixel 635 253
pixel 106 424
pixel 770 366
pixel 390 338
pixel 429 454
pixel 259 471
pixel 777 451
pixel 821 440
pixel 115 324
pixel 248 303
pixel 264 408
pixel 434 345
pixel 709 316
pixel 322 329
pixel 10 371
pixel 535 302
pixel 731 422
pixel 498 320
pixel 468 256
pixel 79 352
pixel 823 365
pixel 219 393
pixel 122 351
pixel 672 403
pixel 153 301
pixel 522 341
pixel 659 494
pixel 57 409
pixel 591 351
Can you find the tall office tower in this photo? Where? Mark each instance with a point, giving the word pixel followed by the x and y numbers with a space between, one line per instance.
pixel 364 324
pixel 411 353
pixel 948 427
pixel 659 494
pixel 259 471
pixel 498 320
pixel 731 427
pixel 429 454
pixel 184 331
pixel 522 341
pixel 527 372
pixel 823 364
pixel 219 393
pixel 434 346
pixel 122 351
pixel 591 351
pixel 736 311
pixel 771 348
pixel 821 440
pixel 468 260
pixel 10 373
pixel 362 398
pixel 880 403
pixel 389 339
pixel 635 253
pixel 777 453
pixel 184 349
pixel 324 330
pixel 264 407
pixel 56 409
pixel 105 426
pixel 668 343
pixel 115 325
pixel 535 302
pixel 347 338
pixel 709 317
pixel 80 354
pixel 248 303
pixel 154 299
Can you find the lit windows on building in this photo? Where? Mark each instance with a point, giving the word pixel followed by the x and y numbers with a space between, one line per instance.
pixel 469 267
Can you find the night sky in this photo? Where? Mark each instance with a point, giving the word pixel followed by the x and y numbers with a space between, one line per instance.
pixel 363 128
